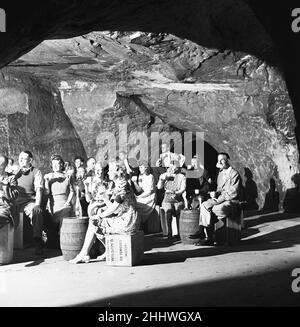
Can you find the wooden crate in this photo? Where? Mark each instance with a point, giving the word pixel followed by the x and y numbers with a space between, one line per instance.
pixel 229 233
pixel 124 249
pixel 6 244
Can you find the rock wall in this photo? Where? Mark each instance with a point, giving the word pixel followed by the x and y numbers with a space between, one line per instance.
pixel 239 102
pixel 32 118
pixel 246 112
pixel 96 109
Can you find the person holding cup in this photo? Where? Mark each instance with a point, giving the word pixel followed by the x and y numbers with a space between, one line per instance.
pixel 197 183
pixel 145 187
pixel 221 202
pixel 174 184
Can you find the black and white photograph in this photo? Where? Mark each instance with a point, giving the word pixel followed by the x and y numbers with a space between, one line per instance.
pixel 149 158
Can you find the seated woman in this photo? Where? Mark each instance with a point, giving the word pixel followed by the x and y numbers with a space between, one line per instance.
pixel 174 184
pixel 119 217
pixel 8 193
pixel 95 187
pixel 146 192
pixel 60 192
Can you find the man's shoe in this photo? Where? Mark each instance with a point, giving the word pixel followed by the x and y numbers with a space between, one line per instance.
pixel 38 251
pixel 38 246
pixel 205 242
pixel 208 242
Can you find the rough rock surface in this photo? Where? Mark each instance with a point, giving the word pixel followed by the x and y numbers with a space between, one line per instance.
pixel 32 118
pixel 237 100
pixel 223 84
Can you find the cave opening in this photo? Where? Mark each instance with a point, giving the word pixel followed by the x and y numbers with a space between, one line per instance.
pixel 71 70
pixel 218 75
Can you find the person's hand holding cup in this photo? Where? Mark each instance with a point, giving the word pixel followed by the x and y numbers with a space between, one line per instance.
pixel 213 194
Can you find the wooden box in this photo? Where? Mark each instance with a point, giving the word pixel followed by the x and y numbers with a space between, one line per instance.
pixel 124 249
pixel 229 233
pixel 6 244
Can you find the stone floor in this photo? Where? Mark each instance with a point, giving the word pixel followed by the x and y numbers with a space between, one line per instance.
pixel 255 273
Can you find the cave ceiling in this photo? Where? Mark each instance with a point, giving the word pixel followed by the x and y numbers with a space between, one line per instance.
pixel 219 67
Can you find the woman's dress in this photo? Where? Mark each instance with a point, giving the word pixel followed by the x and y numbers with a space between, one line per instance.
pixel 60 188
pixel 125 220
pixel 145 205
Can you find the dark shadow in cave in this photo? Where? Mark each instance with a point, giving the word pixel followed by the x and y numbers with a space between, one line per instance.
pixel 272 198
pixel 291 203
pixel 264 288
pixel 237 285
pixel 279 239
pixel 250 191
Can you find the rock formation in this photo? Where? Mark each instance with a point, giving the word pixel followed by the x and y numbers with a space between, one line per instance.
pixel 32 118
pixel 205 66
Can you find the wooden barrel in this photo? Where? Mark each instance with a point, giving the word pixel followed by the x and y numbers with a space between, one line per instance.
pixel 72 234
pixel 188 225
pixel 6 244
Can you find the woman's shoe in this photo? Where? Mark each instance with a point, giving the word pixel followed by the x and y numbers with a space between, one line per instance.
pixel 101 257
pixel 80 259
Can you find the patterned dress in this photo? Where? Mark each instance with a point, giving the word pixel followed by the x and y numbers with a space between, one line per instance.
pixel 125 220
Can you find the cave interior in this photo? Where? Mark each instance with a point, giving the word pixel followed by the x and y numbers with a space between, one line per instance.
pixel 72 70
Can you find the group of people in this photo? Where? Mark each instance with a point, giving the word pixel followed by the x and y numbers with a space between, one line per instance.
pixel 117 198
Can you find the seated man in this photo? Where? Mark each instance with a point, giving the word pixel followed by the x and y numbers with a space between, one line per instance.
pixel 30 187
pixel 222 201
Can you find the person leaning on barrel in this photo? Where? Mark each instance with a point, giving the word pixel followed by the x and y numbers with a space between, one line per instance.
pixel 222 201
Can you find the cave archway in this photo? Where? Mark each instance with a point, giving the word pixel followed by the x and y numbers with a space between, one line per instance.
pixel 235 29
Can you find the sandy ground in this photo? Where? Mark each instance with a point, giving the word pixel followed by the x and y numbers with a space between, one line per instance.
pixel 258 272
